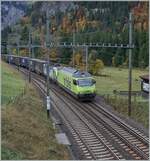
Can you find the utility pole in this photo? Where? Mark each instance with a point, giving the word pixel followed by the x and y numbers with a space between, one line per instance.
pixel 18 50
pixel 130 64
pixel 29 54
pixel 9 54
pixel 73 61
pixel 9 48
pixel 86 52
pixel 48 62
pixel 33 52
pixel 32 42
pixel 32 46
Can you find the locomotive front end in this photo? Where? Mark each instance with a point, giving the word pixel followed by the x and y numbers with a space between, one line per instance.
pixel 85 88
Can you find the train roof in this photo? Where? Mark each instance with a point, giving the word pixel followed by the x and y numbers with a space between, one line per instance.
pixel 76 73
pixel 25 57
pixel 69 69
pixel 39 60
pixel 17 56
pixel 80 74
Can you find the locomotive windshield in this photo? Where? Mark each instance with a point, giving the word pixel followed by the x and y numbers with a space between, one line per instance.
pixel 85 82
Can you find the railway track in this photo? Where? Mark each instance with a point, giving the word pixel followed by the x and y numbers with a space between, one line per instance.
pixel 92 144
pixel 82 132
pixel 98 133
pixel 133 142
pixel 132 134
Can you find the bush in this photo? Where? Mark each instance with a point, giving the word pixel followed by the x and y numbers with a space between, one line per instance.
pixel 96 67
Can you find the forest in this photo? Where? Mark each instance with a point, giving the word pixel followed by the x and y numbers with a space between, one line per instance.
pixel 104 22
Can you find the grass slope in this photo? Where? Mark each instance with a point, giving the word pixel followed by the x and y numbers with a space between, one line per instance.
pixel 9 154
pixel 139 109
pixel 12 85
pixel 26 132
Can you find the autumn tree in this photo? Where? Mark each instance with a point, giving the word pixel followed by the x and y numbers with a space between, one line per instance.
pixel 78 59
pixel 14 51
pixel 96 65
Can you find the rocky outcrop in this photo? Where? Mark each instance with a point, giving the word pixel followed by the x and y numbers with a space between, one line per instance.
pixel 11 12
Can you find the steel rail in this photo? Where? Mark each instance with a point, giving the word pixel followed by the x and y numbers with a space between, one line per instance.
pixel 133 147
pixel 120 122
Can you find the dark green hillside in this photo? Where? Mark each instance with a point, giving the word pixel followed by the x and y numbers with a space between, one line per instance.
pixel 105 22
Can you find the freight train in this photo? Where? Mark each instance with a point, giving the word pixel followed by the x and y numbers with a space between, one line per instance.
pixel 79 84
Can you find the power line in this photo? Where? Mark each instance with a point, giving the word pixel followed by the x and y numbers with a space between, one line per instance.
pixel 79 45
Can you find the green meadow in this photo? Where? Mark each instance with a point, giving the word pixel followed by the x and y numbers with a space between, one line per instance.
pixel 117 79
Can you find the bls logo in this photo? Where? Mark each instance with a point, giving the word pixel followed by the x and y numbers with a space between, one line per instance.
pixel 67 83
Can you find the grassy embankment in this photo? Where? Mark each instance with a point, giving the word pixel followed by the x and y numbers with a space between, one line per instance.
pixel 117 79
pixel 26 132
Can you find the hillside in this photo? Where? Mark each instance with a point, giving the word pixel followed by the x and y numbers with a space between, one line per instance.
pixel 92 22
pixel 12 12
pixel 25 127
